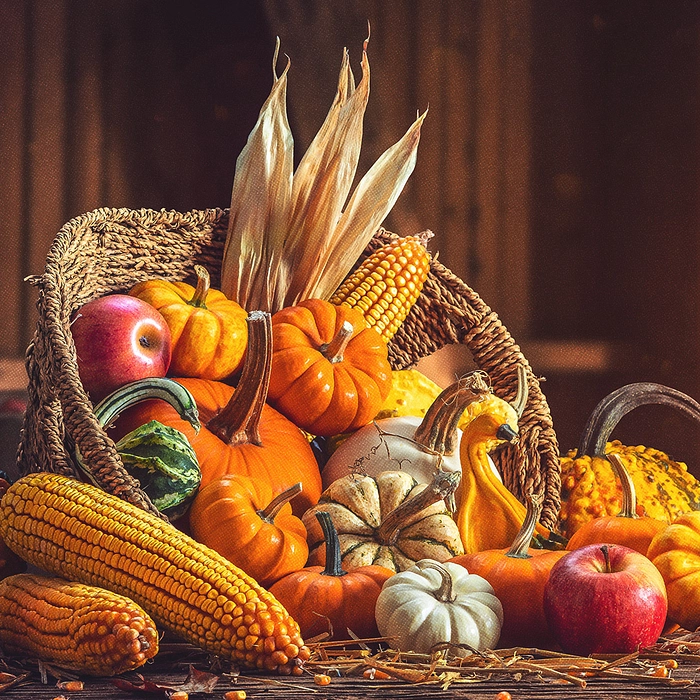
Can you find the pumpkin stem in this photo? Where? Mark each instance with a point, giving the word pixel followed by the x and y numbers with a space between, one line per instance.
pixel 269 513
pixel 608 413
pixel 330 536
pixel 520 401
pixel 629 494
pixel 238 422
pixel 444 593
pixel 203 284
pixel 438 429
pixel 441 487
pixel 335 350
pixel 521 543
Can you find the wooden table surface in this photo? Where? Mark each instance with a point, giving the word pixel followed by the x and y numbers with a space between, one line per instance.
pixel 172 668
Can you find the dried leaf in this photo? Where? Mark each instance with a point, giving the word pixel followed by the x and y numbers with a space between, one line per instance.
pixel 260 199
pixel 369 205
pixel 323 179
pixel 196 682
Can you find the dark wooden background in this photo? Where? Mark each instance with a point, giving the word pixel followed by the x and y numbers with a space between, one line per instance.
pixel 558 165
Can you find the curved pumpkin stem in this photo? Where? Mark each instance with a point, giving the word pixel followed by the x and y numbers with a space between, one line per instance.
pixel 238 422
pixel 611 409
pixel 335 350
pixel 441 487
pixel 330 535
pixel 203 284
pixel 629 494
pixel 438 429
pixel 269 513
pixel 521 543
pixel 444 593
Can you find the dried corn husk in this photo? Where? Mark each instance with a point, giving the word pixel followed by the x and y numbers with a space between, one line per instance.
pixel 291 237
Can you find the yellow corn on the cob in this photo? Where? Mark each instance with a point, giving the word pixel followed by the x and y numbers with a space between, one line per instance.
pixel 387 284
pixel 82 533
pixel 84 628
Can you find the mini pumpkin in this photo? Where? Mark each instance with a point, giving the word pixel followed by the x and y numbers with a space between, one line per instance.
pixel 323 597
pixel 627 528
pixel 240 433
pixel 518 576
pixel 675 552
pixel 390 520
pixel 330 372
pixel 243 520
pixel 433 604
pixel 208 330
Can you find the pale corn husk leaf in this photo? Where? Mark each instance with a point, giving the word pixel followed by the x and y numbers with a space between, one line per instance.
pixel 323 180
pixel 369 205
pixel 260 198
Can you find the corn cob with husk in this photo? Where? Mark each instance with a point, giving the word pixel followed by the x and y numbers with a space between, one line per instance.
pixel 388 283
pixel 83 628
pixel 291 235
pixel 77 531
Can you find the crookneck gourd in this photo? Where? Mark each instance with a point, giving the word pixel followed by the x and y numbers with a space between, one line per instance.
pixel 390 520
pixel 488 515
pixel 158 455
pixel 664 488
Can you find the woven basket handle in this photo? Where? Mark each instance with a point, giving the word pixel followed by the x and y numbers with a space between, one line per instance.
pixel 447 312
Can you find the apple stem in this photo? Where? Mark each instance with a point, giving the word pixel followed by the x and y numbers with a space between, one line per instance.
pixel 629 495
pixel 238 422
pixel 521 543
pixel 606 555
pixel 203 285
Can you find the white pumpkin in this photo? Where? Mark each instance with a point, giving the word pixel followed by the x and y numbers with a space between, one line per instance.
pixel 433 603
pixel 418 446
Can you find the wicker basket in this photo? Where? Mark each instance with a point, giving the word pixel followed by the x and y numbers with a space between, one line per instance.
pixel 109 250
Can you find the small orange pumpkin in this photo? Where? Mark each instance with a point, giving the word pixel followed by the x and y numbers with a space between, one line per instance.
pixel 242 520
pixel 318 597
pixel 330 372
pixel 240 433
pixel 628 528
pixel 518 576
pixel 208 331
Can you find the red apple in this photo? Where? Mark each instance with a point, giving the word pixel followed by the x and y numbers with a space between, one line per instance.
pixel 605 599
pixel 119 339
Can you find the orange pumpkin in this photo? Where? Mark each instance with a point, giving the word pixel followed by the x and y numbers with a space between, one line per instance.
pixel 245 522
pixel 319 598
pixel 330 372
pixel 518 576
pixel 628 528
pixel 208 331
pixel 240 433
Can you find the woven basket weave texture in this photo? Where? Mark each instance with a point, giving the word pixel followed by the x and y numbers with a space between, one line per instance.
pixel 109 250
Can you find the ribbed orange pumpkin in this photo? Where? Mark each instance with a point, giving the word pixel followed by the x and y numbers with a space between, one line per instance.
pixel 240 433
pixel 208 331
pixel 244 521
pixel 318 596
pixel 518 576
pixel 330 372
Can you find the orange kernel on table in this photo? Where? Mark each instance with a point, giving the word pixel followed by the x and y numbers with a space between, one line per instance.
pixel 71 686
pixel 374 674
pixel 661 672
pixel 671 663
pixel 503 695
pixel 322 679
pixel 179 695
pixel 235 695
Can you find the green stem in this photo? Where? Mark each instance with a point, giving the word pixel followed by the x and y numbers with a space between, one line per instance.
pixel 521 543
pixel 330 535
pixel 629 494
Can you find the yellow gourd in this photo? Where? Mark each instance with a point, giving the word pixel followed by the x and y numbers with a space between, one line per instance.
pixel 664 488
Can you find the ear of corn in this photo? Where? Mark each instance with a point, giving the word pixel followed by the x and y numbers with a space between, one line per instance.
pixel 387 284
pixel 87 629
pixel 77 531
